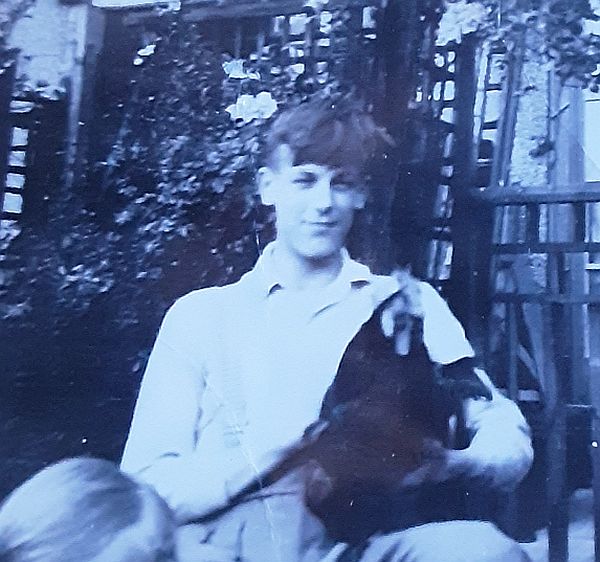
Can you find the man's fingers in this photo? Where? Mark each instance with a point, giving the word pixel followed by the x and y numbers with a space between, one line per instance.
pixel 433 449
pixel 403 340
pixel 432 469
pixel 318 484
pixel 409 297
pixel 398 318
pixel 402 276
pixel 417 477
pixel 440 464
pixel 388 322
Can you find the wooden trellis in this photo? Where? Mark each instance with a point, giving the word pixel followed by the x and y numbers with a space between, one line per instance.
pixel 568 354
pixel 537 250
pixel 35 152
pixel 6 134
pixel 289 38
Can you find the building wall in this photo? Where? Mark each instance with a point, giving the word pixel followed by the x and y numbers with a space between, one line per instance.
pixel 57 46
pixel 50 39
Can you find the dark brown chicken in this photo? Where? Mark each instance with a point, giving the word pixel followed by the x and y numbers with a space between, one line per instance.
pixel 379 414
pixel 376 420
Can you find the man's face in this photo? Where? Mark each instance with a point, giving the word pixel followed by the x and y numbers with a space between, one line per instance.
pixel 314 204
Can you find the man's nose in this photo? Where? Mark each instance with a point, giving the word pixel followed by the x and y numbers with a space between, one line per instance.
pixel 322 194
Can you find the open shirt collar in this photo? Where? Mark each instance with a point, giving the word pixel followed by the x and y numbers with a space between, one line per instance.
pixel 351 272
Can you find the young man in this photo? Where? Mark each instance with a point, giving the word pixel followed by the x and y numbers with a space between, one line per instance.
pixel 237 373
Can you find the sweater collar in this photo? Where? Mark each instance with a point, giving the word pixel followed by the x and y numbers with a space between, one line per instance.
pixel 269 279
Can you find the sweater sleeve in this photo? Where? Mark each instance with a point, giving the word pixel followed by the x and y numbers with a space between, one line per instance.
pixel 443 335
pixel 160 448
pixel 500 449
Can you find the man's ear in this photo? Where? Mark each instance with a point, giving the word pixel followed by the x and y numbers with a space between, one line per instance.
pixel 266 186
pixel 360 198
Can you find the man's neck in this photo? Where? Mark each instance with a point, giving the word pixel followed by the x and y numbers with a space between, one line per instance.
pixel 300 273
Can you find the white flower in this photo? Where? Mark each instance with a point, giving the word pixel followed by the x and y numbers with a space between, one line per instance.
pixel 249 107
pixel 460 18
pixel 265 105
pixel 295 70
pixel 143 53
pixel 235 69
pixel 474 16
pixel 241 109
pixel 147 51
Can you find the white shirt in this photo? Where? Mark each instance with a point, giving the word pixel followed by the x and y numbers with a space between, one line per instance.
pixel 238 372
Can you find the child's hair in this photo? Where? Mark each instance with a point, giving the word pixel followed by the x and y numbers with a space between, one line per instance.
pixel 77 508
pixel 339 134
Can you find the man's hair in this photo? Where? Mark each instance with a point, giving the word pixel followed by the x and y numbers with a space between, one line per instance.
pixel 70 511
pixel 339 134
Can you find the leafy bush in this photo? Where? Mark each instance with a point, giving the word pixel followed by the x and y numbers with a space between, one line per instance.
pixel 171 207
pixel 568 43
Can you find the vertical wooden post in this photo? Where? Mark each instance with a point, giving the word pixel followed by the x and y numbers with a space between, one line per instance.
pixel 463 284
pixel 398 36
pixel 556 448
pixel 566 102
pixel 513 351
pixel 398 40
pixel 594 387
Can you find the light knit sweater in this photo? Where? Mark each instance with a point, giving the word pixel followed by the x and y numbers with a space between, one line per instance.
pixel 238 372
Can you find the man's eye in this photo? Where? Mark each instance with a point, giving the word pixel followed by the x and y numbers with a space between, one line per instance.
pixel 342 186
pixel 304 181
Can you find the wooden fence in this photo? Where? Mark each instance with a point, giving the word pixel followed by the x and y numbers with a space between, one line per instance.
pixel 545 301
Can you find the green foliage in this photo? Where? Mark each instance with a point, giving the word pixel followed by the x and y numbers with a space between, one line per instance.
pixel 575 51
pixel 172 206
pixel 179 182
pixel 168 207
pixel 568 43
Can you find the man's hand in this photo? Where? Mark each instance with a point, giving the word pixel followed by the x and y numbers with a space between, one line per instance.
pixel 440 464
pixel 443 464
pixel 397 320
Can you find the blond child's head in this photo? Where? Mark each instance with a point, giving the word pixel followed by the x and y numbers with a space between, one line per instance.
pixel 85 510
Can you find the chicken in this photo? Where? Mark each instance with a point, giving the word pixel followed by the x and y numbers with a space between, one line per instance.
pixel 385 408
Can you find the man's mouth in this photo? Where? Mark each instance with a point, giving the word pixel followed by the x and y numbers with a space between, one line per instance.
pixel 322 224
